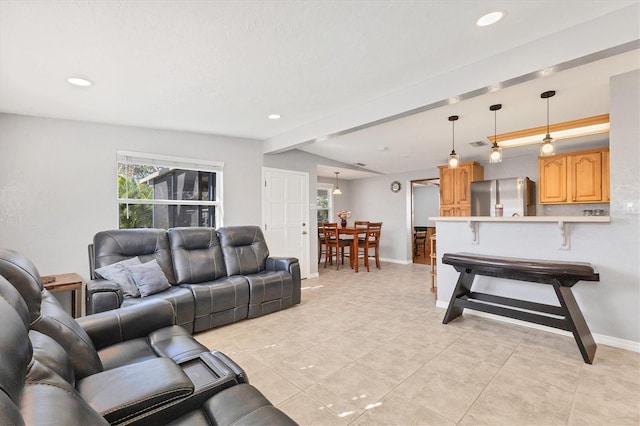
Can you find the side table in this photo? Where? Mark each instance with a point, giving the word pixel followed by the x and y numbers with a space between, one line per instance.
pixel 65 282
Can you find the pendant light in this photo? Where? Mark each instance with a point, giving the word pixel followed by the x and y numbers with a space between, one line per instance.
pixel 454 160
pixel 496 152
pixel 337 190
pixel 547 147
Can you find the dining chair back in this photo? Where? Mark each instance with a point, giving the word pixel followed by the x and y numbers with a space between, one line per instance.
pixel 333 241
pixel 322 248
pixel 419 241
pixel 370 242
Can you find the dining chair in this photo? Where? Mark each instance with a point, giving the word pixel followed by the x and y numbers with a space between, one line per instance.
pixel 333 241
pixel 360 224
pixel 419 241
pixel 322 248
pixel 371 242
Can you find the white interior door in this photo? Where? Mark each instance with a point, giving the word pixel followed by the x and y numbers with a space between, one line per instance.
pixel 285 211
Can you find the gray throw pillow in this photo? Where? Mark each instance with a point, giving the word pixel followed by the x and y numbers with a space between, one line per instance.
pixel 119 274
pixel 149 278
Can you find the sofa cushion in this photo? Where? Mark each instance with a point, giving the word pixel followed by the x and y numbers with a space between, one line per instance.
pixel 181 299
pixel 121 244
pixel 119 274
pixel 219 302
pixel 149 278
pixel 244 248
pixel 197 255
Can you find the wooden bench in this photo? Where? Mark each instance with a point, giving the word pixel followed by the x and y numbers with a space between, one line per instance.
pixel 561 275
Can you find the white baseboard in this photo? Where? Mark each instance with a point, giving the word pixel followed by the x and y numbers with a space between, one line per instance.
pixel 629 345
pixel 401 262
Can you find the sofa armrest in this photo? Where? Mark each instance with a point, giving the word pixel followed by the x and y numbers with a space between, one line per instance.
pixel 102 295
pixel 131 391
pixel 131 322
pixel 290 265
pixel 280 263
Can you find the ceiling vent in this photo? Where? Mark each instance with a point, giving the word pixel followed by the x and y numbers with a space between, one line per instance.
pixel 477 144
pixel 360 164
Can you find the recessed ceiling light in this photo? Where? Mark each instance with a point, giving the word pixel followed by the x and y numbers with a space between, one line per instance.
pixel 77 81
pixel 274 116
pixel 489 19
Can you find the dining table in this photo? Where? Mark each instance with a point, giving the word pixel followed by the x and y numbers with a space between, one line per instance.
pixel 354 231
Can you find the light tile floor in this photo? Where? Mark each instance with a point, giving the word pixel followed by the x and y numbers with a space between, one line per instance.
pixel 371 349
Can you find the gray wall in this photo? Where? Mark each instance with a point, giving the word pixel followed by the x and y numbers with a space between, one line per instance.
pixel 426 203
pixel 58 182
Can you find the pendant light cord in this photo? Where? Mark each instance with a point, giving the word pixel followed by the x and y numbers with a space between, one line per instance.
pixel 547 115
pixel 453 135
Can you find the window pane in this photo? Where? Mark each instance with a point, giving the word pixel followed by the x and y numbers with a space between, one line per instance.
pixel 165 185
pixel 136 216
pixel 323 201
pixel 163 216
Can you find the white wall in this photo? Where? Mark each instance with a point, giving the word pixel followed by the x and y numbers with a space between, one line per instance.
pixel 426 203
pixel 58 182
pixel 610 306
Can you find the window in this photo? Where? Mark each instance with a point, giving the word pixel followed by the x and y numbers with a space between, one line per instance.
pixel 165 192
pixel 324 202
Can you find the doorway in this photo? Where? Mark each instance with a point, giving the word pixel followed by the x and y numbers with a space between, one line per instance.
pixel 285 211
pixel 425 203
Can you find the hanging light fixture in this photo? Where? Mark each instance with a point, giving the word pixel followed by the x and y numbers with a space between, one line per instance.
pixel 337 190
pixel 453 157
pixel 547 147
pixel 496 152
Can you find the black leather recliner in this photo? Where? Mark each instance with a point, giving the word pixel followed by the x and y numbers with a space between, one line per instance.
pixel 164 377
pixel 121 244
pixel 217 277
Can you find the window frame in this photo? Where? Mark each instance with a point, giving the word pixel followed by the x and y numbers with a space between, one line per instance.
pixel 329 187
pixel 179 163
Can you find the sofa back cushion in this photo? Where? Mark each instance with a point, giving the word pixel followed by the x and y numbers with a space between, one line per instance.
pixel 244 248
pixel 56 323
pixel 146 244
pixel 23 276
pixel 15 352
pixel 197 255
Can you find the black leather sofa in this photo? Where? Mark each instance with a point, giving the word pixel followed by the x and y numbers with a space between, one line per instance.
pixel 131 365
pixel 216 277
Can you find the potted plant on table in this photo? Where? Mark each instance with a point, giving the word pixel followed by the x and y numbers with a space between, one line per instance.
pixel 343 215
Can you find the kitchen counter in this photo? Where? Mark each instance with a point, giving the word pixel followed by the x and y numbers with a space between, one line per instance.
pixel 561 221
pixel 580 219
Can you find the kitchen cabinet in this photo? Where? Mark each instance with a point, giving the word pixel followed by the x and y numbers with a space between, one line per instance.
pixel 455 188
pixel 575 177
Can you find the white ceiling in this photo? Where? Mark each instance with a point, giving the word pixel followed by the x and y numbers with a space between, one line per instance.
pixel 221 67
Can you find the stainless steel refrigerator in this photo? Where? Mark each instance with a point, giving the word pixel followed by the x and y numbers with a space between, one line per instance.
pixel 517 197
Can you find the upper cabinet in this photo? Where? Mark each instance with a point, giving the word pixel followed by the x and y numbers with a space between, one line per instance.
pixel 575 177
pixel 455 188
